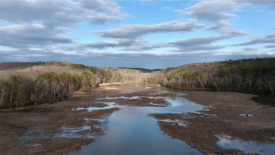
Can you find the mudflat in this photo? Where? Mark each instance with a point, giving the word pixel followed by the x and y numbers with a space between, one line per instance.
pixel 55 128
pixel 230 118
pixel 65 126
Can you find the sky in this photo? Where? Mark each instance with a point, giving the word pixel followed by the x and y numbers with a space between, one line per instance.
pixel 151 34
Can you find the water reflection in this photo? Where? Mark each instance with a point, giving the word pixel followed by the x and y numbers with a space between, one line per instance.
pixel 110 105
pixel 246 115
pixel 248 147
pixel 67 132
pixel 132 131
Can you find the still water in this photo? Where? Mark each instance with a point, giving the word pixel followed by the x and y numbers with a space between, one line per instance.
pixel 131 131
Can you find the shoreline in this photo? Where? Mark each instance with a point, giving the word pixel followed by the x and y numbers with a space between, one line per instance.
pixel 222 116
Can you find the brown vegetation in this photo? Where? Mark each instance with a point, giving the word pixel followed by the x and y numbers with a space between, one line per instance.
pixel 38 129
pixel 24 84
pixel 248 76
pixel 37 83
pixel 222 117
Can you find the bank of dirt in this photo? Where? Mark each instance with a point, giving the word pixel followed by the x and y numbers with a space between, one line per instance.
pixel 38 129
pixel 223 117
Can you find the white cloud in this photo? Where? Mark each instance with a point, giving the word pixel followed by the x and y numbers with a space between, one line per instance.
pixel 109 6
pixel 195 44
pixel 134 31
pixel 27 35
pixel 198 43
pixel 269 39
pixel 271 46
pixel 104 18
pixel 150 61
pixel 107 44
pixel 268 3
pixel 218 13
pixel 213 10
pixel 64 11
pixel 34 27
pixel 43 22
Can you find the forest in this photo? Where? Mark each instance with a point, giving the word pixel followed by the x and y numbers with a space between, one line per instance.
pixel 23 84
pixel 256 76
pixel 37 83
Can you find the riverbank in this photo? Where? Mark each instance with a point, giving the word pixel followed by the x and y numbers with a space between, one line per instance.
pixel 69 125
pixel 52 128
pixel 229 114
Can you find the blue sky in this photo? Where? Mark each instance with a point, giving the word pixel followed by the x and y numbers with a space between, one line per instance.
pixel 136 33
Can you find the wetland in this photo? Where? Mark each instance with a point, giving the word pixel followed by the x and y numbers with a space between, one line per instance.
pixel 128 118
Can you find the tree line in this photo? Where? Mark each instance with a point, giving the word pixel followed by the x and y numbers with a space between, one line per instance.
pixel 248 76
pixel 48 87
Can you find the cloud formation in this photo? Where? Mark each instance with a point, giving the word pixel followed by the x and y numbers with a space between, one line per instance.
pixel 150 61
pixel 109 6
pixel 61 12
pixel 218 13
pixel 213 10
pixel 101 19
pixel 269 39
pixel 268 3
pixel 134 31
pixel 43 22
pixel 107 44
pixel 80 31
pixel 198 43
pixel 27 35
pixel 194 44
